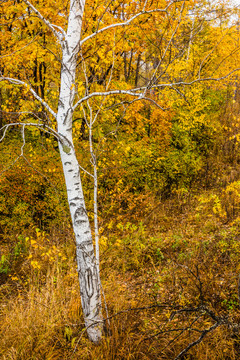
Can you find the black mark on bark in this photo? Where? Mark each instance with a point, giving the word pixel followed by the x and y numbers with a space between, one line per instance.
pixel 87 275
pixel 75 199
pixel 72 204
pixel 80 216
pixel 89 283
pixel 77 175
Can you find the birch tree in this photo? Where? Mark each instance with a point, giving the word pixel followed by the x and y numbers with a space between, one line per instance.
pixel 76 95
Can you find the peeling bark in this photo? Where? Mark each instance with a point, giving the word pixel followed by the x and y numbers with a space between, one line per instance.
pixel 86 262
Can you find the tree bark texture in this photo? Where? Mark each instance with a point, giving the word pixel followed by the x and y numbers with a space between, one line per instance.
pixel 87 269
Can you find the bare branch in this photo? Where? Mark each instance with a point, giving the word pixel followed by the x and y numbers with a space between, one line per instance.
pixel 44 176
pixel 239 290
pixel 87 172
pixel 139 92
pixel 128 22
pixel 22 153
pixel 107 93
pixel 138 99
pixel 46 22
pixel 151 81
pixel 19 82
pixel 193 81
pixel 204 333
pixel 213 49
pixel 43 127
pixel 14 52
pixel 22 148
pixel 4 133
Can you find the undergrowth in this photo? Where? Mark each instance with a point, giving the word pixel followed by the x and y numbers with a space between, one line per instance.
pixel 169 259
pixel 165 287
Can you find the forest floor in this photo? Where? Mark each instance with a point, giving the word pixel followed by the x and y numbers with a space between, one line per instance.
pixel 170 285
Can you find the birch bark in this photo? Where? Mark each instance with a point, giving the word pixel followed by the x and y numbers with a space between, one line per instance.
pixel 87 269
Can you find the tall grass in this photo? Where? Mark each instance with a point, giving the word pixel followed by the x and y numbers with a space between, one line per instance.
pixel 155 282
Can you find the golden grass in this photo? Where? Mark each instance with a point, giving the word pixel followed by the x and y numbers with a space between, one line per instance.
pixel 40 311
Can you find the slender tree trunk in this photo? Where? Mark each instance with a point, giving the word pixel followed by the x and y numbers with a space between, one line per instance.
pixel 137 69
pixel 1 114
pixel 87 269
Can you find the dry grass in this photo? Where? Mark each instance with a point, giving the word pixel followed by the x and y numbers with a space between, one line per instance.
pixel 147 275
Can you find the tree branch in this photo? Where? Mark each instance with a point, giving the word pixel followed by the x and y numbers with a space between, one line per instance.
pixel 14 52
pixel 151 81
pixel 19 82
pixel 139 92
pixel 52 27
pixel 22 148
pixel 128 22
pixel 107 93
pixel 204 333
pixel 43 127
pixel 191 82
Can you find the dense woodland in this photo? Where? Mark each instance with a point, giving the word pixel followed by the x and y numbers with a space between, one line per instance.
pixel 168 180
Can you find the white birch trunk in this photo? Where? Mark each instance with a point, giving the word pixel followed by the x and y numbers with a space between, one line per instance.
pixel 87 269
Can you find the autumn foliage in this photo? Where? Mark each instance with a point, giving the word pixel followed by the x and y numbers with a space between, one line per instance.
pixel 168 183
